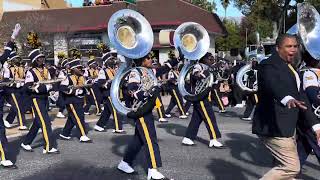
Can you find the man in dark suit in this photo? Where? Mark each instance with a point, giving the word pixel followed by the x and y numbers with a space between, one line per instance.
pixel 278 109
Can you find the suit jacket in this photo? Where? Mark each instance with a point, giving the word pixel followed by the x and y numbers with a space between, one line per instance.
pixel 272 118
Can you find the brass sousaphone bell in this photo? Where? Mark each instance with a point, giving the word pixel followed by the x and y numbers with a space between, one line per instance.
pixel 132 36
pixel 194 42
pixel 308 30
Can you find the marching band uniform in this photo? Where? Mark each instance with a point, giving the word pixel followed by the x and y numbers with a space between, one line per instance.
pixel 14 92
pixel 306 139
pixel 145 133
pixel 74 100
pixel 252 98
pixel 160 109
pixel 202 111
pixel 61 99
pixel 159 104
pixel 39 94
pixel 3 139
pixel 94 96
pixel 105 77
pixel 176 98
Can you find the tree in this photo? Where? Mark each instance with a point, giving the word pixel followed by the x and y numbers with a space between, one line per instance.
pixel 209 6
pixel 274 11
pixel 233 40
pixel 225 4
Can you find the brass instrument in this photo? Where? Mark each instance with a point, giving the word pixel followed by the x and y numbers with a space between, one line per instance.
pixel 308 29
pixel 193 41
pixel 132 36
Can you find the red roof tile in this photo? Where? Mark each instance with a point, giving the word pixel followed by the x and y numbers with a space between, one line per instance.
pixel 158 12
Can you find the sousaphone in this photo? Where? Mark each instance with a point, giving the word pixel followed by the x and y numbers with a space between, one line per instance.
pixel 132 36
pixel 193 41
pixel 308 30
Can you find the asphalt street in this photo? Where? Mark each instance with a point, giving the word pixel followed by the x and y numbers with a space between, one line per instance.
pixel 243 158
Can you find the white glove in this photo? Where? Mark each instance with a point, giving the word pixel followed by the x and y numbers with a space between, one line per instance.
pixel 106 85
pixel 35 87
pixel 18 85
pixel 49 86
pixel 79 92
pixel 16 31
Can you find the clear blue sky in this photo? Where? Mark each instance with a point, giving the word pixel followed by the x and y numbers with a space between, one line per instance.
pixel 231 10
pixel 75 3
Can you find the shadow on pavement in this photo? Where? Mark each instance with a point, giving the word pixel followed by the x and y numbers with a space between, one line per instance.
pixel 173 129
pixel 120 144
pixel 79 170
pixel 223 170
pixel 15 149
pixel 230 114
pixel 248 149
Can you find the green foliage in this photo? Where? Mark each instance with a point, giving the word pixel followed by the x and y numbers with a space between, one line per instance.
pixel 233 40
pixel 209 6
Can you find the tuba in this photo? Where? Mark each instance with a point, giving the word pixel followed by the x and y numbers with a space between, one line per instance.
pixel 308 29
pixel 242 77
pixel 193 41
pixel 132 36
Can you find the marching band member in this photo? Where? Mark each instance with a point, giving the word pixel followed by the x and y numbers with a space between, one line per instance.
pixel 145 132
pixel 105 77
pixel 94 96
pixel 176 98
pixel 15 90
pixel 252 98
pixel 306 139
pixel 63 72
pixel 4 161
pixel 74 90
pixel 159 105
pixel 214 93
pixel 202 111
pixel 160 108
pixel 39 95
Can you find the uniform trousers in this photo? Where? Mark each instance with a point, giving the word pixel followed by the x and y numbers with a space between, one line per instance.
pixel 202 111
pixel 176 99
pixel 3 138
pixel 252 100
pixel 106 113
pixel 214 97
pixel 17 108
pixel 75 119
pixel 41 120
pixel 145 138
pixel 160 107
pixel 306 143
pixel 61 102
pixel 94 99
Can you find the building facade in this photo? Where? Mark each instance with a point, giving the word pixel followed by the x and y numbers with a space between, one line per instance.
pixel 84 27
pixel 23 5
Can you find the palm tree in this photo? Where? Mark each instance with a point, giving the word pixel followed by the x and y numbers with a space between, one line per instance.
pixel 225 4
